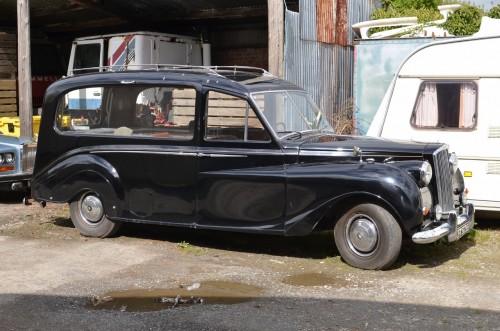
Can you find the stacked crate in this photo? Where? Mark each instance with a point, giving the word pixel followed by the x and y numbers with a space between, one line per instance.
pixel 8 68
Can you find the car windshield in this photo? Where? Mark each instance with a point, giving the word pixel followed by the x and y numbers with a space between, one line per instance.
pixel 290 113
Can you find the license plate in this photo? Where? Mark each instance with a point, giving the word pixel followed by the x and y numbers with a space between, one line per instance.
pixel 463 230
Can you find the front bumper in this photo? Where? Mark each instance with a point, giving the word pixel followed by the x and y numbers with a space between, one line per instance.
pixel 15 182
pixel 455 228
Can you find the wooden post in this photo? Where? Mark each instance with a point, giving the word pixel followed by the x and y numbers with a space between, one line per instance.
pixel 276 36
pixel 24 94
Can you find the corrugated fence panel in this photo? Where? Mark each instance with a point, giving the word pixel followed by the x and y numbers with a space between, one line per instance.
pixel 341 23
pixel 307 19
pixel 357 11
pixel 322 67
pixel 325 18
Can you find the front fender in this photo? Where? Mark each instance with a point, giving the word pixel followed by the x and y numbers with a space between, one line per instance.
pixel 314 189
pixel 63 181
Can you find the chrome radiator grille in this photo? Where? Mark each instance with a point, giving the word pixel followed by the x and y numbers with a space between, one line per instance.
pixel 443 179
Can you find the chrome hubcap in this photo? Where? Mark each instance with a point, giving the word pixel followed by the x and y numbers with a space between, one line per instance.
pixel 362 234
pixel 91 209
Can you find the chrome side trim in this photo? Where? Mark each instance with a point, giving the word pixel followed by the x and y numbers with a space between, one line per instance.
pixel 220 155
pixel 144 152
pixel 348 153
pixel 239 151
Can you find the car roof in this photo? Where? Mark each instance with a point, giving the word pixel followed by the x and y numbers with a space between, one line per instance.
pixel 233 78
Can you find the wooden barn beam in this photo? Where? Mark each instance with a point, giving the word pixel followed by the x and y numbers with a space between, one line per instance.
pixel 24 94
pixel 276 37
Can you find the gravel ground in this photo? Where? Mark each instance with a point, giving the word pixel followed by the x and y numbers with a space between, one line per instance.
pixel 51 278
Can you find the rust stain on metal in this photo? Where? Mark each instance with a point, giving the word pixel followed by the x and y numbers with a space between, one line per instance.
pixel 325 21
pixel 341 23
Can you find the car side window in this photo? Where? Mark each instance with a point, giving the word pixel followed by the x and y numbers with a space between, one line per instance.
pixel 232 118
pixel 449 104
pixel 159 112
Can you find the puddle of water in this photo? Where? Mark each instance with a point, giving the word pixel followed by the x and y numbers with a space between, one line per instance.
pixel 210 292
pixel 313 279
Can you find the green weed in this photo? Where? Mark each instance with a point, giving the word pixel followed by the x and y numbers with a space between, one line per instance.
pixel 187 248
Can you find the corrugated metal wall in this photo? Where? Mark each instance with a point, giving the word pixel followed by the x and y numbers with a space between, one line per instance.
pixel 319 55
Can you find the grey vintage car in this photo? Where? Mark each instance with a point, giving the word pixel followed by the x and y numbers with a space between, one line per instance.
pixel 237 149
pixel 17 157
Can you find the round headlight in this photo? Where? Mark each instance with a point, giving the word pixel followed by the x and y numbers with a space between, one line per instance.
pixel 453 163
pixel 8 158
pixel 425 174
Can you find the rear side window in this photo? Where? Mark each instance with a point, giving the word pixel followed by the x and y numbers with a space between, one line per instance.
pixel 159 112
pixel 446 105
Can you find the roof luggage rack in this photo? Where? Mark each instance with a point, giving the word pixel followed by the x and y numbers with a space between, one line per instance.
pixel 215 70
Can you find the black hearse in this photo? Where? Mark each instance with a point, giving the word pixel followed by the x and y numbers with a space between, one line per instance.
pixel 237 149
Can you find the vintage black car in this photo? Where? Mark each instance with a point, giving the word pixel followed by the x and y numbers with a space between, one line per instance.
pixel 237 149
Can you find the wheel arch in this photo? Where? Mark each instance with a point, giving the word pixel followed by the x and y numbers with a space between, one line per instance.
pixel 340 206
pixel 67 179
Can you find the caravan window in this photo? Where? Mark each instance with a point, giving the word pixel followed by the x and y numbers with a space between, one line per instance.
pixel 446 105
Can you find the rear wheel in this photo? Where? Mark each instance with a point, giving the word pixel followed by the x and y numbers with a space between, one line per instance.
pixel 368 237
pixel 87 214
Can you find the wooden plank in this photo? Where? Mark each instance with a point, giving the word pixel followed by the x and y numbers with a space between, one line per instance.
pixel 7 101
pixel 182 120
pixel 8 51
pixel 235 122
pixel 7 70
pixel 218 95
pixel 9 57
pixel 186 111
pixel 8 109
pixel 184 102
pixel 5 62
pixel 226 103
pixel 9 45
pixel 8 94
pixel 5 36
pixel 234 112
pixel 8 84
pixel 183 94
pixel 8 114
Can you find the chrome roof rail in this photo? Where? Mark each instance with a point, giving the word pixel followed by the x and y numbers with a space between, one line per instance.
pixel 213 70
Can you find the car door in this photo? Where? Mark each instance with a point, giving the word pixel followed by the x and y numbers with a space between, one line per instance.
pixel 241 176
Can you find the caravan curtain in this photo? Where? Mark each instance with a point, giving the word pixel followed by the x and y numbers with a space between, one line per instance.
pixel 426 110
pixel 467 105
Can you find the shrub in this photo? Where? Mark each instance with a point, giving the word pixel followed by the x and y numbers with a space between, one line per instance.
pixel 494 12
pixel 465 21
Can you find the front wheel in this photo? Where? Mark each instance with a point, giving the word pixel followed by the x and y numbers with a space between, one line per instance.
pixel 87 214
pixel 368 237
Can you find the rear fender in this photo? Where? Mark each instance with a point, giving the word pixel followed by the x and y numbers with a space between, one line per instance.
pixel 64 181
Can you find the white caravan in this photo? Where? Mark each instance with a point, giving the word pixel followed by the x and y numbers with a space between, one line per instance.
pixel 449 92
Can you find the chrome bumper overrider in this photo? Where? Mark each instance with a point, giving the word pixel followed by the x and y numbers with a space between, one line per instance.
pixel 456 227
